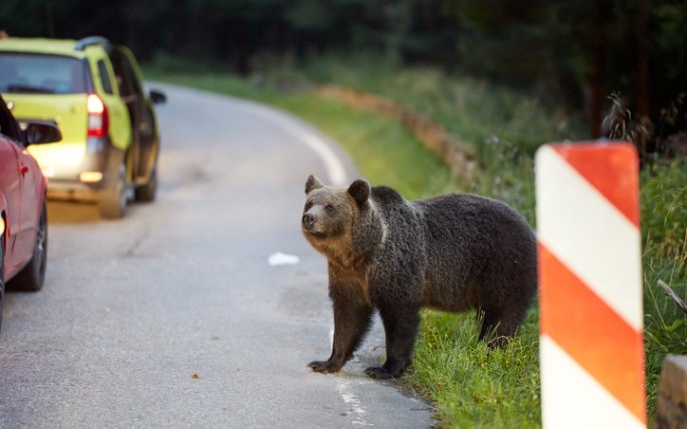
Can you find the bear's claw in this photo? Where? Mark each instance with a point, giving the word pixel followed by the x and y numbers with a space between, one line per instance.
pixel 324 367
pixel 381 373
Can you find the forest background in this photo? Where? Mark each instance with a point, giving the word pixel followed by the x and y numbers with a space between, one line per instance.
pixel 573 53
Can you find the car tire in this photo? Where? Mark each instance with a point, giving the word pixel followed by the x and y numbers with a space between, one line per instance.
pixel 32 276
pixel 114 199
pixel 146 193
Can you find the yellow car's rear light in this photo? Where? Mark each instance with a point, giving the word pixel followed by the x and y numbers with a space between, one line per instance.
pixel 97 116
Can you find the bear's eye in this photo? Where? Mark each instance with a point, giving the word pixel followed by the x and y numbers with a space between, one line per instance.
pixel 308 205
pixel 329 208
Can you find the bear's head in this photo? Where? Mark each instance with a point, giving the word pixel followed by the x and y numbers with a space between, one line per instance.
pixel 330 212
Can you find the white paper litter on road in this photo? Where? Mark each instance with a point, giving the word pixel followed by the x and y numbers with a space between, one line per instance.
pixel 279 258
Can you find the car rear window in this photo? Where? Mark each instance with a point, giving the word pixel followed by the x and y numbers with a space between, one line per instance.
pixel 41 74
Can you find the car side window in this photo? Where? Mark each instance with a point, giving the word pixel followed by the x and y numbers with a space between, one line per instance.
pixel 126 76
pixel 104 77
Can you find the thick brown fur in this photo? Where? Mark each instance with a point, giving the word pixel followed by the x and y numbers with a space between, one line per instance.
pixel 454 253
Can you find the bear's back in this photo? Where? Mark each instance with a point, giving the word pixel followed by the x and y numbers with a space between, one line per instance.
pixel 473 240
pixel 482 222
pixel 482 226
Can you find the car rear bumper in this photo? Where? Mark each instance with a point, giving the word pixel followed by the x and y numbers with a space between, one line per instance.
pixel 85 180
pixel 72 191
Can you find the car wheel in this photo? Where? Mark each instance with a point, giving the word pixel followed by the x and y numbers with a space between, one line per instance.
pixel 113 200
pixel 31 277
pixel 146 193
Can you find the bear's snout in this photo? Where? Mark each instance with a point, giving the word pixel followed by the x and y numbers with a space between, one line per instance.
pixel 308 221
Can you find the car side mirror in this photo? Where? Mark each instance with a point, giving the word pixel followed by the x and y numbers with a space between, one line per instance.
pixel 158 97
pixel 37 132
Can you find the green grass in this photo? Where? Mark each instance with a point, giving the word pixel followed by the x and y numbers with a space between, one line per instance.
pixel 468 385
pixel 664 235
pixel 472 386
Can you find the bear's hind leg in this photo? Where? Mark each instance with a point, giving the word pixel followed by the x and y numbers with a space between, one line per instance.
pixel 400 328
pixel 351 323
pixel 498 327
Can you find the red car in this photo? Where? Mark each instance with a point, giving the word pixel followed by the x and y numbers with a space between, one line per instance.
pixel 23 217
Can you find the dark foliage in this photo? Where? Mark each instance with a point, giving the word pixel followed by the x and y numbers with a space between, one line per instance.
pixel 572 53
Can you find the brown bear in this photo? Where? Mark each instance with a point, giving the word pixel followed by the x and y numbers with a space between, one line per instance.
pixel 453 252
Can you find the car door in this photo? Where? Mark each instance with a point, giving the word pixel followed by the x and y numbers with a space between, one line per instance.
pixel 10 193
pixel 131 91
pixel 30 205
pixel 20 184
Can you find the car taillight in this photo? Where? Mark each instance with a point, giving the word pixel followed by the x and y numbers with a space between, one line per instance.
pixel 97 116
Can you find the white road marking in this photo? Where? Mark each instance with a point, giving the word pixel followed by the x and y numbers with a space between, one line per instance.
pixel 357 410
pixel 334 166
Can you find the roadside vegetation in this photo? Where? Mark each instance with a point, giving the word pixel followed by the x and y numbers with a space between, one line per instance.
pixel 468 385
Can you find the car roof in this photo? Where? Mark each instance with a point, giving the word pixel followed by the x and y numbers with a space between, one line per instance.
pixel 44 46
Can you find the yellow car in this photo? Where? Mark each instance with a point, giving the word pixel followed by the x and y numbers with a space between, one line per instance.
pixel 94 92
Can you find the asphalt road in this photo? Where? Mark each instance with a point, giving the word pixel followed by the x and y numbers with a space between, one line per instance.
pixel 173 317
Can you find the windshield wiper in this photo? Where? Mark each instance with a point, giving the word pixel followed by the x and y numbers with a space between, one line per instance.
pixel 28 89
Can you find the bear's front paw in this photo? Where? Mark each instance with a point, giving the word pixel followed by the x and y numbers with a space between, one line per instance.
pixel 324 367
pixel 381 373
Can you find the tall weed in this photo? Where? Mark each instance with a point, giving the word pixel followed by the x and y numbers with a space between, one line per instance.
pixel 664 210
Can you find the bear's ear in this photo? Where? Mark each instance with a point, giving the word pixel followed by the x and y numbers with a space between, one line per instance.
pixel 312 183
pixel 360 191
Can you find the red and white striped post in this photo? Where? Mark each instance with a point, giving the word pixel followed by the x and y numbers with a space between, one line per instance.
pixel 590 283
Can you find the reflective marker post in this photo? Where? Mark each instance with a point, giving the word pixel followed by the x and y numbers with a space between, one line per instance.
pixel 591 346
